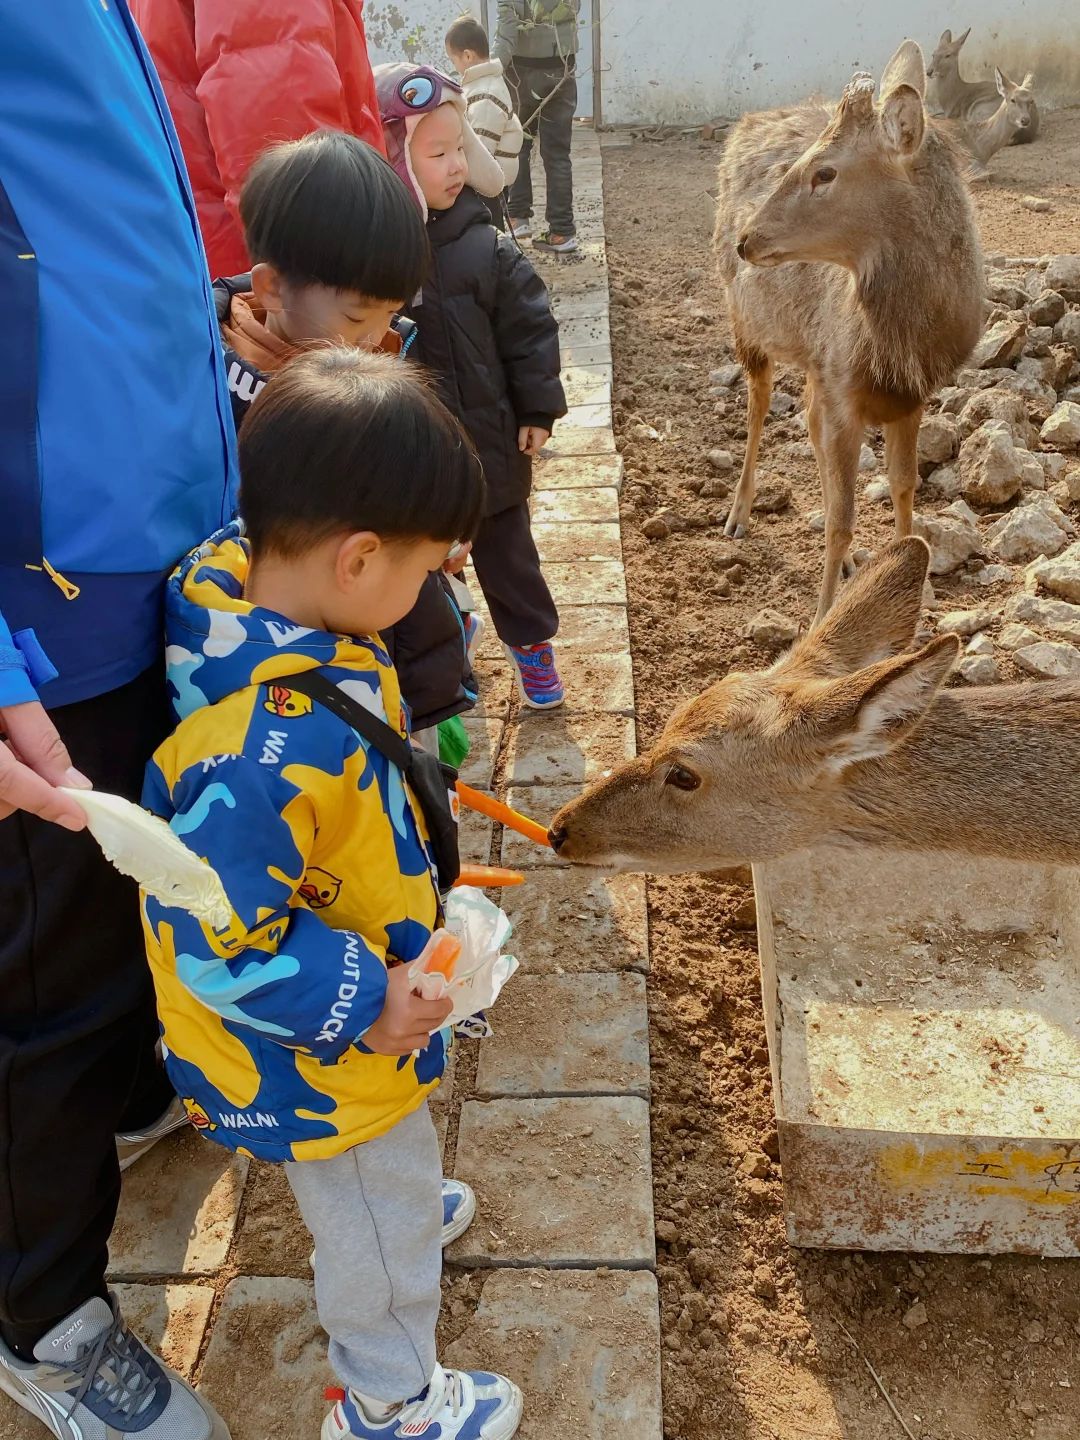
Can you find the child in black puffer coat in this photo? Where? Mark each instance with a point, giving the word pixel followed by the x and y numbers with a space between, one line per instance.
pixel 487 333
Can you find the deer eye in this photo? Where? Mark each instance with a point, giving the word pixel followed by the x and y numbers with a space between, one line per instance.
pixel 681 778
pixel 824 176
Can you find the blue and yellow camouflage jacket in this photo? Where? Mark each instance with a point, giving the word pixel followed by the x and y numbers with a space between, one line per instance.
pixel 323 855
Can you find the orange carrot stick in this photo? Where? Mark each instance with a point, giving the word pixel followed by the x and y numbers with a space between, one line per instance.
pixel 496 810
pixel 483 875
pixel 444 956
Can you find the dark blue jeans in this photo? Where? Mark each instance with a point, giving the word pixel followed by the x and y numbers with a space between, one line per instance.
pixel 545 97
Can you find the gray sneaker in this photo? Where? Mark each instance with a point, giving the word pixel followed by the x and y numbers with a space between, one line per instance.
pixel 96 1381
pixel 131 1145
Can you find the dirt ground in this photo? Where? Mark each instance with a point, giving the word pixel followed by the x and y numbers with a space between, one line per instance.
pixel 760 1339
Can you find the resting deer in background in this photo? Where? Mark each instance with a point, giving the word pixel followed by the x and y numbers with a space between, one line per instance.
pixel 878 195
pixel 848 740
pixel 970 100
pixel 1017 112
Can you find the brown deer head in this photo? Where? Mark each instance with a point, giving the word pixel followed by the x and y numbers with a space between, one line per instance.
pixel 752 769
pixel 840 192
pixel 945 60
pixel 1018 99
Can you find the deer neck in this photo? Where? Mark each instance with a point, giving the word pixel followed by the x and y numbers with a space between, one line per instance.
pixel 993 773
pixel 988 138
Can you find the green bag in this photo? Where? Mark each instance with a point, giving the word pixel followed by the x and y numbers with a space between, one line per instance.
pixel 453 741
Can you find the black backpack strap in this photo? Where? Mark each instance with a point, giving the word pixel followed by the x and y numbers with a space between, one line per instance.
pixel 431 782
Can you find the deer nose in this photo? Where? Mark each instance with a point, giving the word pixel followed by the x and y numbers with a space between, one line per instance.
pixel 557 838
pixel 740 248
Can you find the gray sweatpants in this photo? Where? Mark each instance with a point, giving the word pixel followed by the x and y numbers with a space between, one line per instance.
pixel 376 1216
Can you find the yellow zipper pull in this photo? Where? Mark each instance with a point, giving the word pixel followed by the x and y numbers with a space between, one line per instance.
pixel 69 591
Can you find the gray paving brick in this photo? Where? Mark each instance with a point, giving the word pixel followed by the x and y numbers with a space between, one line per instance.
pixel 587 385
pixel 586 582
pixel 567 921
pixel 586 417
pixel 587 331
pixel 584 1345
pixel 579 440
pixel 485 735
pixel 576 540
pixel 580 472
pixel 560 748
pixel 568 1035
pixel 474 836
pixel 171 1319
pixel 495 680
pixel 597 682
pixel 584 352
pixel 442 1099
pixel 178 1208
pixel 272 1239
pixel 553 507
pixel 593 628
pixel 266 1366
pixel 564 1183
pixel 586 305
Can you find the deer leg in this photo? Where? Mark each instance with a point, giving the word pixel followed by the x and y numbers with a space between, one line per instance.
pixel 759 374
pixel 815 425
pixel 901 458
pixel 842 442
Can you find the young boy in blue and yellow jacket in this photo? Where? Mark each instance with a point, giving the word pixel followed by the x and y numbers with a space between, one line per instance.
pixel 294 1035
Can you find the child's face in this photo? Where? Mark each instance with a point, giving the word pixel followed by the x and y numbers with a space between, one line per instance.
pixel 302 313
pixel 376 582
pixel 462 60
pixel 437 150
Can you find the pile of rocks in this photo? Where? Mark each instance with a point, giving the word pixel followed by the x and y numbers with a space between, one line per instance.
pixel 1002 452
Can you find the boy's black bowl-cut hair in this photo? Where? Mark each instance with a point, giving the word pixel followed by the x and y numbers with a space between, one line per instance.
pixel 330 210
pixel 468 34
pixel 342 441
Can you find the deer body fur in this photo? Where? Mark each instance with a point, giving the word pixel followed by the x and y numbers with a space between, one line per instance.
pixel 972 101
pixel 847 740
pixel 847 244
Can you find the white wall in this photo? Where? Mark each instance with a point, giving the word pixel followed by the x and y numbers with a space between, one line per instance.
pixel 688 60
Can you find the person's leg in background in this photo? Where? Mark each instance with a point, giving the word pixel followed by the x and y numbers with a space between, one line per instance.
pixel 520 197
pixel 507 565
pixel 77 1026
pixel 556 129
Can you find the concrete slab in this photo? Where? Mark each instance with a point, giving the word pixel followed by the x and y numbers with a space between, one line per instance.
pixel 564 1183
pixel 567 921
pixel 580 472
pixel 587 384
pixel 574 352
pixel 586 417
pixel 178 1208
pixel 272 1239
pixel 568 1035
pixel 496 683
pixel 593 628
pixel 586 582
pixel 584 1345
pixel 442 1100
pixel 171 1319
pixel 578 540
pixel 590 304
pixel 597 682
pixel 559 748
pixel 587 331
pixel 555 507
pixel 266 1366
pixel 580 440
pixel 474 836
pixel 485 735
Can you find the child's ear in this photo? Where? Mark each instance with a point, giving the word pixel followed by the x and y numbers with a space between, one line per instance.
pixel 268 284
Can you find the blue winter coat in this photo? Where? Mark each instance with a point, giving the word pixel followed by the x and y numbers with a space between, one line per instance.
pixel 116 441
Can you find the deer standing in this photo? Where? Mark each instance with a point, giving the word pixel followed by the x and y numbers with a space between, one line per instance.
pixel 1017 112
pixel 847 740
pixel 971 100
pixel 877 194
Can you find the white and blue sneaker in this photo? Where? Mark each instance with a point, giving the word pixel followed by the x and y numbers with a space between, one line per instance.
pixel 94 1380
pixel 456 1405
pixel 458 1209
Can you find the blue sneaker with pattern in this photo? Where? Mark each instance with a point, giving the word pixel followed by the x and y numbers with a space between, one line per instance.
pixel 537 677
pixel 456 1405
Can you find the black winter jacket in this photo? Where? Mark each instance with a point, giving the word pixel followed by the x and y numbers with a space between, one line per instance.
pixel 487 333
pixel 428 646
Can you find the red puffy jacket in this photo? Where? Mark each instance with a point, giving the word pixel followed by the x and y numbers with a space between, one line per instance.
pixel 242 74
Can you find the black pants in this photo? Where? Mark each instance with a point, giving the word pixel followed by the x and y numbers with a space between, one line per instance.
pixel 77 1025
pixel 508 569
pixel 545 97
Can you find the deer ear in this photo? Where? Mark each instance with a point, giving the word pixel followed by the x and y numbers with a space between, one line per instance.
pixel 874 619
pixel 875 709
pixel 1003 85
pixel 1028 81
pixel 903 120
pixel 907 67
pixel 963 37
pixel 946 38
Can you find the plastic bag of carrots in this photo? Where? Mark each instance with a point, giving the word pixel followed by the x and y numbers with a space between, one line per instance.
pixel 465 960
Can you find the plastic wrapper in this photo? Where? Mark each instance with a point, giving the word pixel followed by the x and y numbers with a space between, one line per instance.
pixel 480 970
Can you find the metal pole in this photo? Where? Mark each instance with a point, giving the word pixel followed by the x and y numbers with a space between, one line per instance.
pixel 484 15
pixel 597 73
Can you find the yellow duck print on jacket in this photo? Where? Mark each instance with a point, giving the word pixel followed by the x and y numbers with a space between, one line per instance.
pixel 322 853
